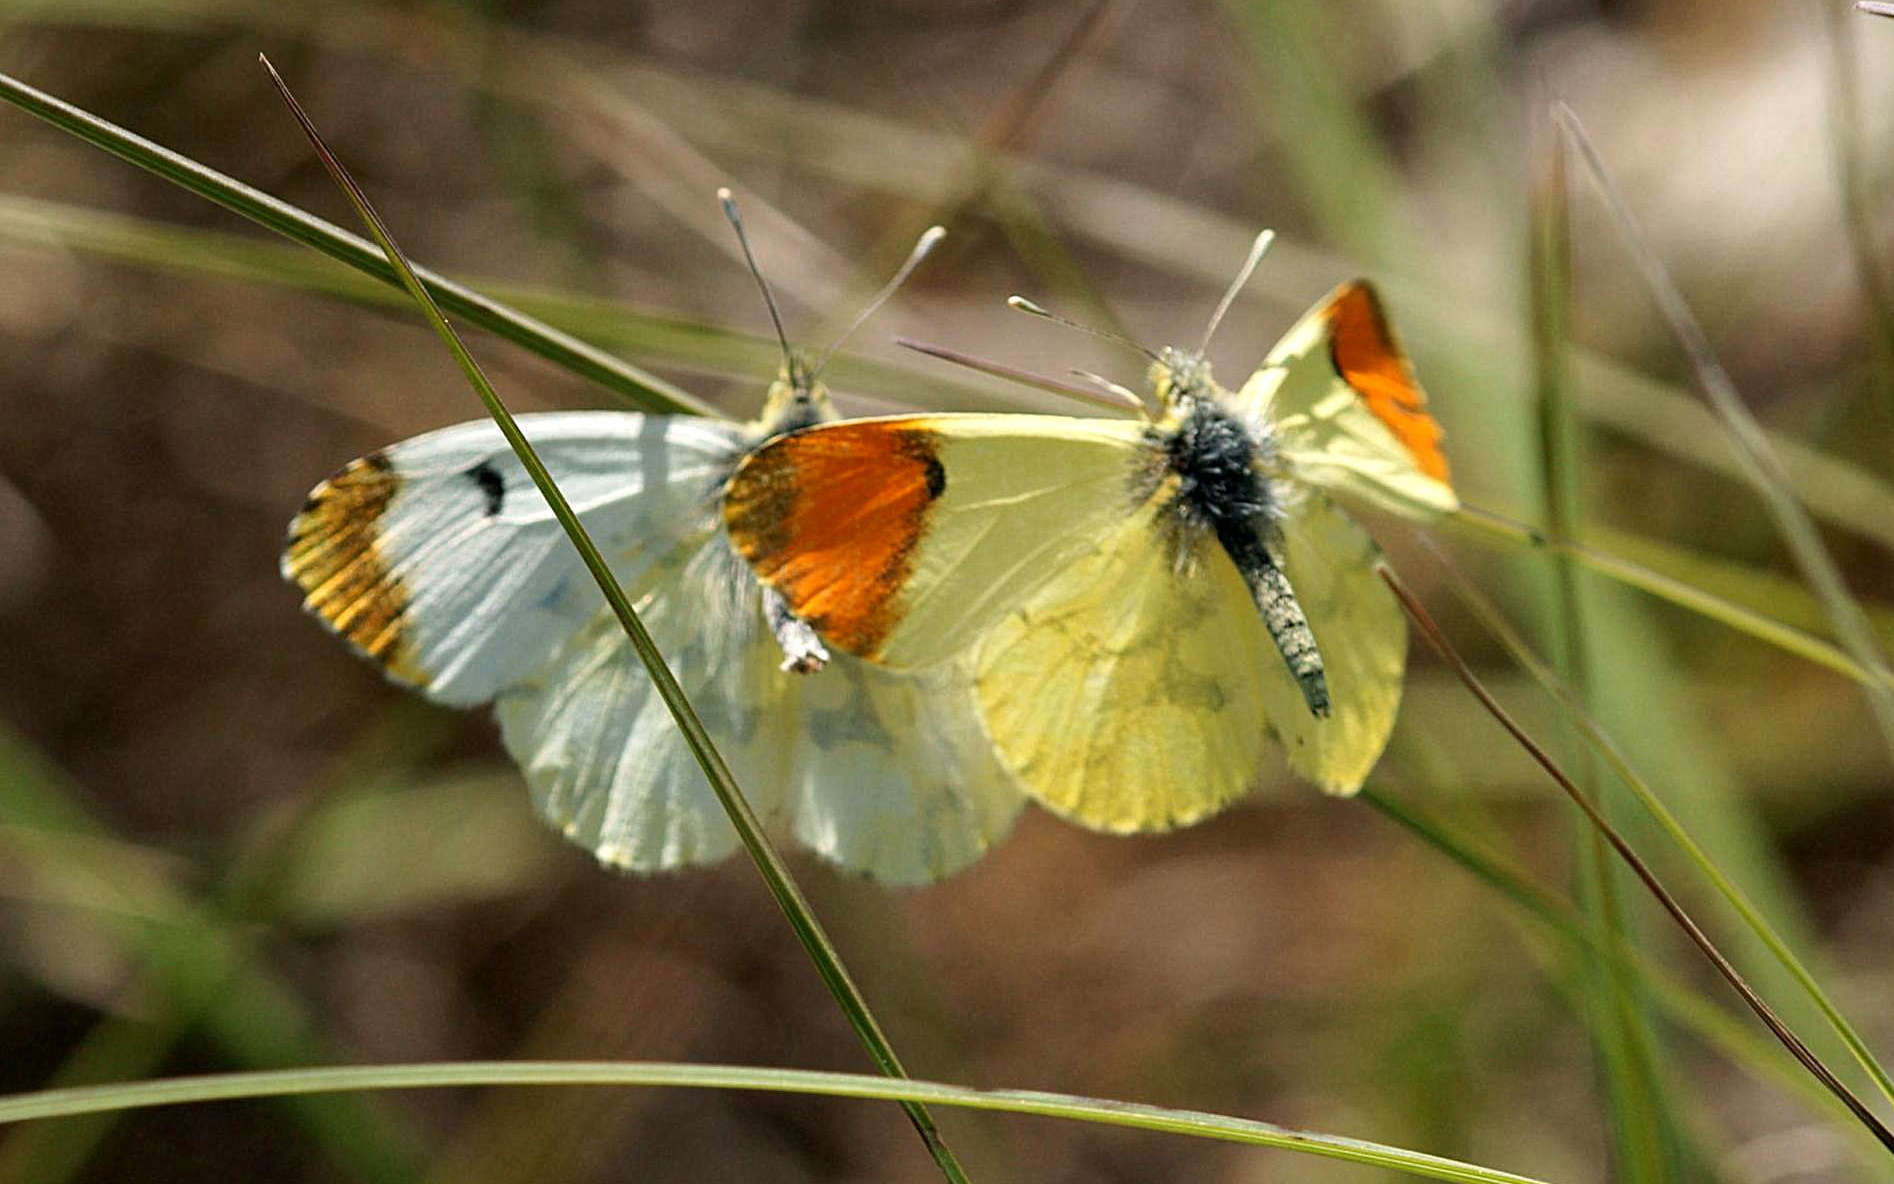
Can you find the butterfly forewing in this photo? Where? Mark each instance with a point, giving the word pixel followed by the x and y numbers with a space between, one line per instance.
pixel 903 540
pixel 1346 411
pixel 438 557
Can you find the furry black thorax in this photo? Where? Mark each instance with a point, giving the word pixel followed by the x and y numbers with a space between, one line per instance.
pixel 1219 484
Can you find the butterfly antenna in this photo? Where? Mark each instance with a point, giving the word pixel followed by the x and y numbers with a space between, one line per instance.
pixel 1023 377
pixel 729 202
pixel 1021 304
pixel 1236 285
pixel 1116 392
pixel 923 246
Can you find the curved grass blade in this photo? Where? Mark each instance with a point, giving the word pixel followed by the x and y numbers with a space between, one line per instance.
pixel 1194 1123
pixel 749 828
pixel 1683 1004
pixel 685 344
pixel 1797 1048
pixel 1489 525
pixel 646 390
pixel 1496 624
pixel 1760 464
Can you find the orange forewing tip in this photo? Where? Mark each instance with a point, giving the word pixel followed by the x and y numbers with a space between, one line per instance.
pixel 334 556
pixel 1369 360
pixel 831 519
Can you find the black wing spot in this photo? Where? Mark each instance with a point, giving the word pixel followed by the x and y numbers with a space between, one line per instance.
pixel 936 478
pixel 491 484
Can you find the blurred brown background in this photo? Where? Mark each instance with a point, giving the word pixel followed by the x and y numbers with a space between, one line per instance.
pixel 227 844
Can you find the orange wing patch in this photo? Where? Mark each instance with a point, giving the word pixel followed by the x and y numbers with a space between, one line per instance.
pixel 334 557
pixel 1367 357
pixel 830 519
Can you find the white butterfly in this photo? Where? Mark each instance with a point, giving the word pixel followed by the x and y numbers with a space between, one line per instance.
pixel 438 559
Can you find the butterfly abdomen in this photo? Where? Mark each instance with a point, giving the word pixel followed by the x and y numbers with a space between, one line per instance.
pixel 1214 460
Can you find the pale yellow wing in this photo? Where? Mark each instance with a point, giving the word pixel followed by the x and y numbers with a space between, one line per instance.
pixel 1132 693
pixel 903 540
pixel 1359 627
pixel 1128 693
pixel 1346 410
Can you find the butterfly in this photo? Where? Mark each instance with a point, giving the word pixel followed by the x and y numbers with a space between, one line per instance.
pixel 437 559
pixel 1140 604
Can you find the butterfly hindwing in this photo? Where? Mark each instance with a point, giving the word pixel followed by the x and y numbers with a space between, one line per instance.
pixel 601 754
pixel 1335 568
pixel 439 559
pixel 870 769
pixel 1128 693
pixel 892 774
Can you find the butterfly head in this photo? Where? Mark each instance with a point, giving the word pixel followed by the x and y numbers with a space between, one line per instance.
pixel 797 399
pixel 1180 377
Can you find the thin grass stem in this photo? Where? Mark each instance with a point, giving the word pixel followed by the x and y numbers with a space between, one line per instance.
pixel 1194 1123
pixel 645 390
pixel 1760 463
pixel 1801 1051
pixel 776 877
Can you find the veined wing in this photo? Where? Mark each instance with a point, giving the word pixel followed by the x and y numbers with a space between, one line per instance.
pixel 892 775
pixel 600 751
pixel 438 558
pixel 1347 410
pixel 903 539
pixel 1133 692
pixel 1335 569
pixel 1128 693
pixel 874 771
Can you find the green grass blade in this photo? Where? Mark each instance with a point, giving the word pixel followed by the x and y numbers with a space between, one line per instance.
pixel 1799 1048
pixel 1648 1142
pixel 1193 1123
pixel 776 877
pixel 646 390
pixel 668 339
pixel 1760 464
pixel 1496 624
pixel 1487 527
pixel 199 970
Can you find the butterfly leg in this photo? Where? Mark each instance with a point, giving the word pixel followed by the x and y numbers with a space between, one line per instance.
pixel 803 651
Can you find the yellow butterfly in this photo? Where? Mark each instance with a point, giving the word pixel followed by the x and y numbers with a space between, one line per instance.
pixel 1139 604
pixel 438 559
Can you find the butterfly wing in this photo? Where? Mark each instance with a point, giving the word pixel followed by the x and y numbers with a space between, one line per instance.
pixel 1135 692
pixel 1128 693
pixel 438 558
pixel 892 775
pixel 1346 409
pixel 874 771
pixel 605 761
pixel 902 540
pixel 1335 568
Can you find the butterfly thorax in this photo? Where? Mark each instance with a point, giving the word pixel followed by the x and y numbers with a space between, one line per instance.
pixel 1216 467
